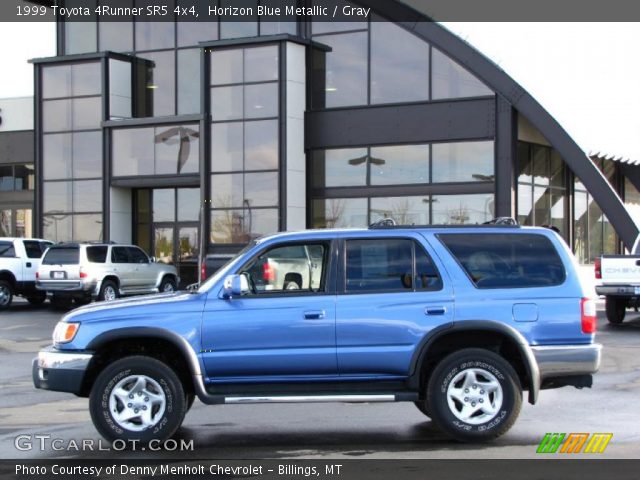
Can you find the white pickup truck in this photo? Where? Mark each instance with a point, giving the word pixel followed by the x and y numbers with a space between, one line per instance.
pixel 19 262
pixel 620 275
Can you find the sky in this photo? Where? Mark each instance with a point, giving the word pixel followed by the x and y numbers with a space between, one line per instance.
pixel 587 75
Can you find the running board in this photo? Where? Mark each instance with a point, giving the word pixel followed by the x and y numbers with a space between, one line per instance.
pixel 368 398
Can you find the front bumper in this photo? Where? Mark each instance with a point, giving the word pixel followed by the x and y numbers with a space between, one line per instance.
pixel 567 360
pixel 59 370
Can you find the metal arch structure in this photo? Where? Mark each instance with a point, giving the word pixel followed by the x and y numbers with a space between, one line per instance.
pixel 421 25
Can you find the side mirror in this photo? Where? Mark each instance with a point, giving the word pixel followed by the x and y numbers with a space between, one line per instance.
pixel 153 259
pixel 235 285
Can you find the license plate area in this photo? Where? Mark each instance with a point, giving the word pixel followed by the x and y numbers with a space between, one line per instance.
pixel 59 275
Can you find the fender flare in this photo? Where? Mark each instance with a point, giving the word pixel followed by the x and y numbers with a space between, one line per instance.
pixel 524 348
pixel 127 333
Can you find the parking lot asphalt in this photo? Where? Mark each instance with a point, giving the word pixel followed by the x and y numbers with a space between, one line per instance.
pixel 312 431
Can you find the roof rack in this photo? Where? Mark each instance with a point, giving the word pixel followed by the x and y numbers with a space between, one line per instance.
pixel 500 222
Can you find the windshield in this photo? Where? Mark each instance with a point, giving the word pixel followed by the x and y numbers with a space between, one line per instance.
pixel 225 269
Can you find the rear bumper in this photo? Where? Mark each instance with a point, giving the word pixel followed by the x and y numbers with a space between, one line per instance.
pixel 67 287
pixel 60 371
pixel 618 290
pixel 567 360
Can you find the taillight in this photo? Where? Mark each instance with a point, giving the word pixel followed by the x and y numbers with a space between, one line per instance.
pixel 598 267
pixel 268 273
pixel 203 272
pixel 83 274
pixel 588 317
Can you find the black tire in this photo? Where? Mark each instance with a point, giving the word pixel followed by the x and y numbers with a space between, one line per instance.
pixel 61 302
pixel 168 282
pixel 6 294
pixel 166 423
pixel 481 426
pixel 37 300
pixel 108 289
pixel 616 308
pixel 422 406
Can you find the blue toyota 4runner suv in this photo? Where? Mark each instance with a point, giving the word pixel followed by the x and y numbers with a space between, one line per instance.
pixel 458 320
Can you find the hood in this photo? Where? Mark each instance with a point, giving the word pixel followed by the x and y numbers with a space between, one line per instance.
pixel 134 306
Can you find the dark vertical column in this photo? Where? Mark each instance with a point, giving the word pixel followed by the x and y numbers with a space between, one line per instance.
pixel 505 158
pixel 282 135
pixel 205 154
pixel 106 153
pixel 37 139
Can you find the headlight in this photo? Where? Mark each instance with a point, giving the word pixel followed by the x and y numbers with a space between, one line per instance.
pixel 64 332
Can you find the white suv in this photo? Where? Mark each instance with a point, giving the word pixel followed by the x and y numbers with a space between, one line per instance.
pixel 101 271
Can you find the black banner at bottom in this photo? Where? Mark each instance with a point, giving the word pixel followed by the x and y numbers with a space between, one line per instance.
pixel 338 469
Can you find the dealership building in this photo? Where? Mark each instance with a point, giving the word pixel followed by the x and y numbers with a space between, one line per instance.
pixel 191 138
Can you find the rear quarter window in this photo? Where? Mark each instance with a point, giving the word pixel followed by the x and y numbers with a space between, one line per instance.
pixel 62 256
pixel 494 260
pixel 7 250
pixel 97 254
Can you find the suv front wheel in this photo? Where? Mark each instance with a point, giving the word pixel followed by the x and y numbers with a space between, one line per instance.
pixel 137 399
pixel 474 395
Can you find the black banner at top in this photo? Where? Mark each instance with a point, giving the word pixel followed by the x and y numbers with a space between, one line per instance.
pixel 318 10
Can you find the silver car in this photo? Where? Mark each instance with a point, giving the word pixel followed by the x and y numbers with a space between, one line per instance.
pixel 83 272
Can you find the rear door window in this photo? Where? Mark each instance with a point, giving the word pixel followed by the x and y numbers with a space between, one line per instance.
pixel 33 248
pixel 62 256
pixel 494 260
pixel 389 265
pixel 97 254
pixel 7 250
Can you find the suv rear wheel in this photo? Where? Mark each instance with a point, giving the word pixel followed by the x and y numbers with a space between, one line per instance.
pixel 137 398
pixel 474 395
pixel 167 285
pixel 615 309
pixel 6 294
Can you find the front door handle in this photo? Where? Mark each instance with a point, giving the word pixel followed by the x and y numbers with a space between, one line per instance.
pixel 435 310
pixel 314 314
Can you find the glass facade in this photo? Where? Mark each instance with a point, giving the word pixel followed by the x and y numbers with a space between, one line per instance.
pixel 72 152
pixel 244 143
pixel 222 136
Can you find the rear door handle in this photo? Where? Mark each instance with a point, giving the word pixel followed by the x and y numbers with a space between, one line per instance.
pixel 435 310
pixel 28 264
pixel 314 314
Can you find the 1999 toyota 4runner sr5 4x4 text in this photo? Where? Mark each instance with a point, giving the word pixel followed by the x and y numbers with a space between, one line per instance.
pixel 458 320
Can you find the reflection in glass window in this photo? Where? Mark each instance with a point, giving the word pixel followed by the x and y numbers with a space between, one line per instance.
pixel 340 212
pixel 234 29
pixel 87 155
pixel 56 115
pixel 87 196
pixel 243 225
pixel 57 197
pixel 57 228
pixel 80 37
pixel 155 35
pixel 226 67
pixel 226 103
pixel 399 65
pixel 120 86
pixel 188 81
pixel 176 149
pixel 340 168
pixel 87 113
pixel 261 145
pixel 226 147
pixel 6 179
pixel 261 189
pixel 161 79
pixel 188 204
pixel 24 177
pixel 463 162
pixel 227 191
pixel 56 156
pixel 86 79
pixel 450 80
pixel 87 228
pixel 24 223
pixel 399 165
pixel 261 100
pixel 261 64
pixel 132 151
pixel 192 33
pixel 346 70
pixel 404 210
pixel 462 209
pixel 164 205
pixel 56 81
pixel 116 36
